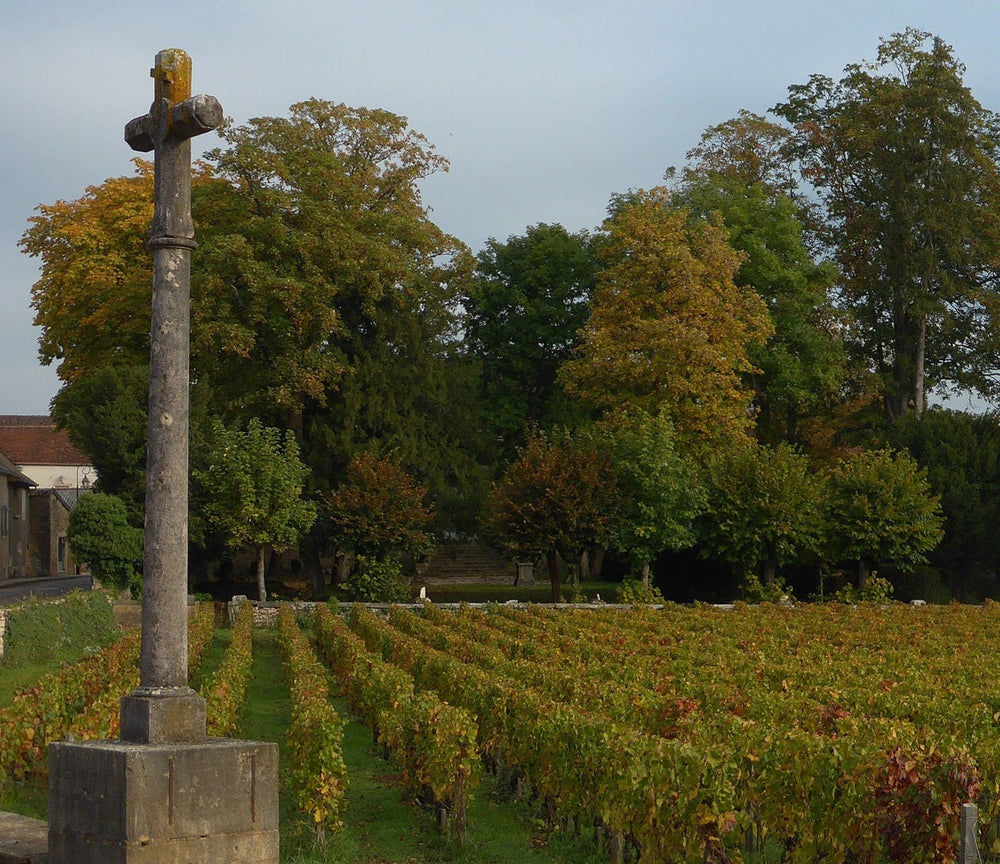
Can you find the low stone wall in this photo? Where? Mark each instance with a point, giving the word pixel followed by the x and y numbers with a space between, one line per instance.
pixel 265 615
pixel 3 629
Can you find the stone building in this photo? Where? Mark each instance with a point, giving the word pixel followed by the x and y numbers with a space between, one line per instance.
pixel 14 520
pixel 60 474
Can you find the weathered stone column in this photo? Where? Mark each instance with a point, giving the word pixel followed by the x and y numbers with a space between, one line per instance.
pixel 165 792
pixel 164 708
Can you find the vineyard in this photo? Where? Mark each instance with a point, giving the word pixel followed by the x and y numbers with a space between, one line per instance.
pixel 829 733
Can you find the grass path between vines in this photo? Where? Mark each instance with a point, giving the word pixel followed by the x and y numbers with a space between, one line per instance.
pixel 383 825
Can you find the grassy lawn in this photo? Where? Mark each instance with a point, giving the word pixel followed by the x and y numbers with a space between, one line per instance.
pixel 537 592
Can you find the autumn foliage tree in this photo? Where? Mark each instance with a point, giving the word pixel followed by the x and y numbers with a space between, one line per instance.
pixel 558 496
pixel 379 510
pixel 669 330
pixel 739 172
pixel 92 298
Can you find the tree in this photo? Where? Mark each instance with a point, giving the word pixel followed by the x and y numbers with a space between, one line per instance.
pixel 668 329
pixel 100 535
pixel 104 413
pixel 961 454
pixel 765 508
pixel 313 232
pixel 880 509
pixel 379 510
pixel 660 491
pixel 905 161
pixel 253 488
pixel 749 150
pixel 523 312
pixel 324 298
pixel 737 172
pixel 92 298
pixel 558 496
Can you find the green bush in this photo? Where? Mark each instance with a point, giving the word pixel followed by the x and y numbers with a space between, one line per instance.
pixel 378 582
pixel 876 590
pixel 40 629
pixel 755 591
pixel 634 592
pixel 101 536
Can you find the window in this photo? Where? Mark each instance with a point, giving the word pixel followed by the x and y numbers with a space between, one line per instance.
pixel 4 521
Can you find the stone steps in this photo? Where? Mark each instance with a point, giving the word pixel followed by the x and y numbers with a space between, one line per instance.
pixel 467 562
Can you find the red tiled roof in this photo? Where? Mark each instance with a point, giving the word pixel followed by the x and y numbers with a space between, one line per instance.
pixel 34 440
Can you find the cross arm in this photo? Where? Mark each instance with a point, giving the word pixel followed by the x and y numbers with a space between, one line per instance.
pixel 186 119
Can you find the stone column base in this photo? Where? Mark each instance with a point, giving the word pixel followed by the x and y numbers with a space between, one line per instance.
pixel 114 802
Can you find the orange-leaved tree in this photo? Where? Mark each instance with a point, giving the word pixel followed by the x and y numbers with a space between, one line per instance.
pixel 557 497
pixel 669 330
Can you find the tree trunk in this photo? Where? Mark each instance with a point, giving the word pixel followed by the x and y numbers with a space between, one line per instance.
pixel 770 570
pixel 584 565
pixel 312 568
pixel 597 565
pixel 261 587
pixel 918 372
pixel 909 350
pixel 553 560
pixel 345 561
pixel 864 571
pixel 644 573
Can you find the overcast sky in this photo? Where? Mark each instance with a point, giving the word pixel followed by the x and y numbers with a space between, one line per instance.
pixel 544 108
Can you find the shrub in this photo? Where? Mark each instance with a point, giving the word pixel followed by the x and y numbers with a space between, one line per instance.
pixel 634 592
pixel 755 591
pixel 101 536
pixel 378 582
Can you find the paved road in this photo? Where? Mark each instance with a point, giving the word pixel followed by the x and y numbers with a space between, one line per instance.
pixel 12 590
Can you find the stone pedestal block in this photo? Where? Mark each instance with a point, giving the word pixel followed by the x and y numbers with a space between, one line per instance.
pixel 163 715
pixel 115 802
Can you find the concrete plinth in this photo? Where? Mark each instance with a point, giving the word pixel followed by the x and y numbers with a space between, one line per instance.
pixel 163 715
pixel 114 802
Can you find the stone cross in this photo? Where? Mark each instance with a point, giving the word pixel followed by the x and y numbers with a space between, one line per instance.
pixel 164 709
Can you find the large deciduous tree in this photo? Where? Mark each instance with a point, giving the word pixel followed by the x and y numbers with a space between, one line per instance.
pixel 92 297
pixel 313 233
pixel 669 330
pixel 738 171
pixel 253 486
pixel 559 496
pixel 905 161
pixel 765 509
pixel 523 313
pixel 881 510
